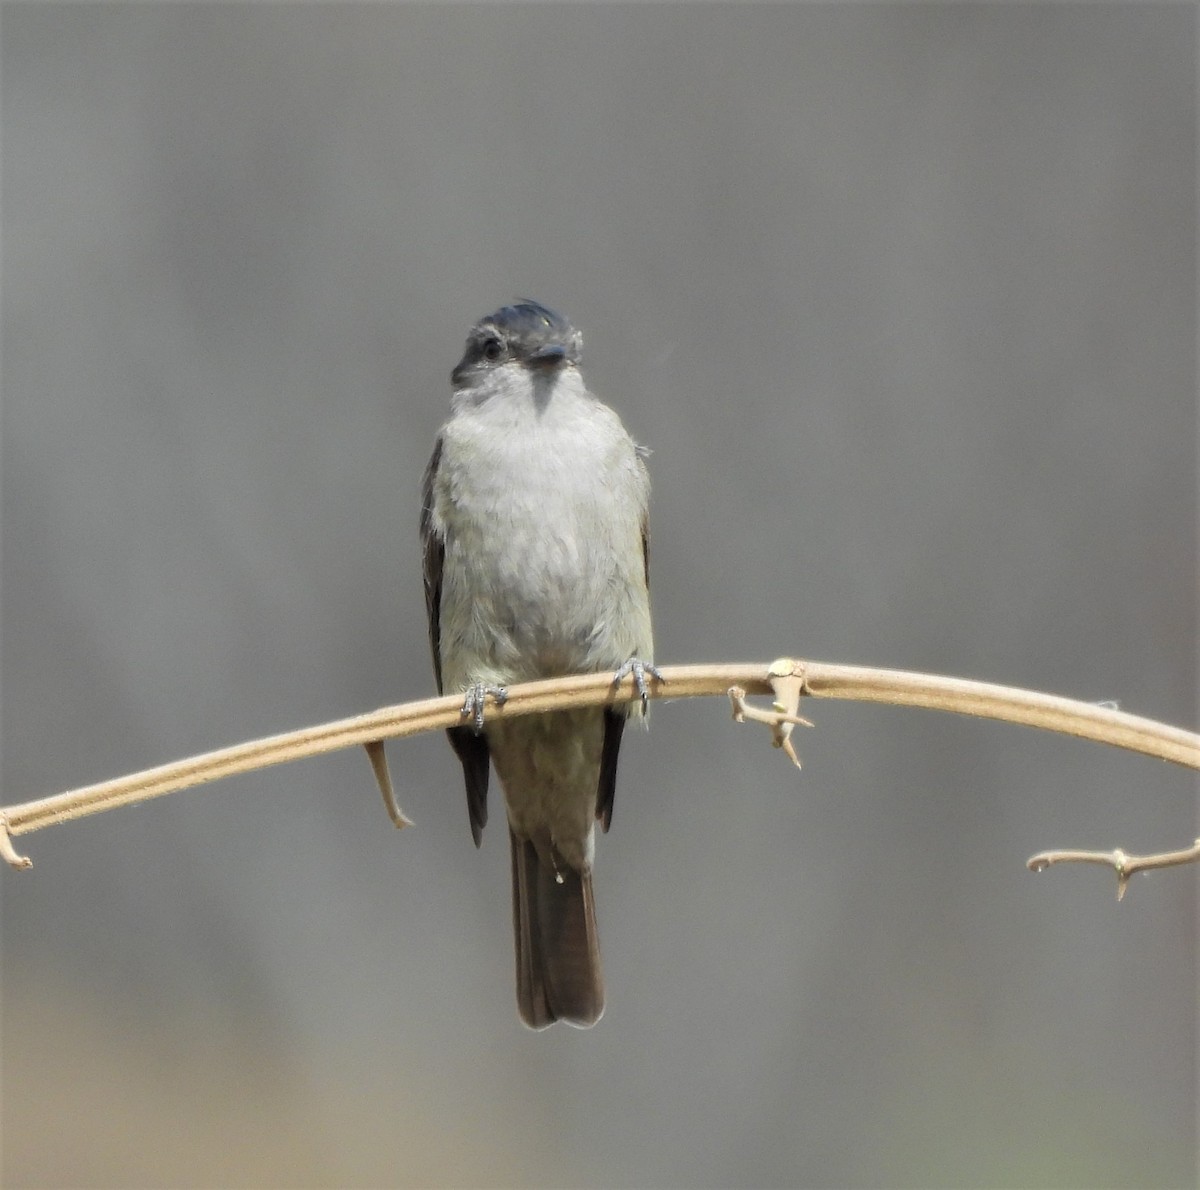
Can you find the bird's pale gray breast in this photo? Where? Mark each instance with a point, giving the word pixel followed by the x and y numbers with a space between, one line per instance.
pixel 543 512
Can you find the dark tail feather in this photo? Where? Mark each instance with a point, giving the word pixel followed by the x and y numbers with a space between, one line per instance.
pixel 558 957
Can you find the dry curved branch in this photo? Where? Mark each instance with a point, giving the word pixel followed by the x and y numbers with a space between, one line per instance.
pixel 1124 865
pixel 816 679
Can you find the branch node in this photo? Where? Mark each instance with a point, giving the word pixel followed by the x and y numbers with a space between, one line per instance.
pixel 1123 864
pixel 787 679
pixel 8 852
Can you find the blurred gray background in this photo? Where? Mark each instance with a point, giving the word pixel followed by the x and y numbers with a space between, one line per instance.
pixel 904 300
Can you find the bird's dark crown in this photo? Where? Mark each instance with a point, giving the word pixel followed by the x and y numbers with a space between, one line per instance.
pixel 529 323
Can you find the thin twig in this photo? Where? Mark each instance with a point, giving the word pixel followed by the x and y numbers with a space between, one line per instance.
pixel 1124 865
pixel 818 680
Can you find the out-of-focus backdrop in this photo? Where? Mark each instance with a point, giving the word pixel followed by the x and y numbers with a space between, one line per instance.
pixel 904 300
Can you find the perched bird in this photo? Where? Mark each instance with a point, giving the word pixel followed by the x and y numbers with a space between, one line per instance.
pixel 534 527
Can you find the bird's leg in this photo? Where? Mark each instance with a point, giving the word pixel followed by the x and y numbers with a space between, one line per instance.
pixel 477 695
pixel 639 669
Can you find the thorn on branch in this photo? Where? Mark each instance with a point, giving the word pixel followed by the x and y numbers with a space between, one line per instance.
pixel 787 680
pixel 1124 865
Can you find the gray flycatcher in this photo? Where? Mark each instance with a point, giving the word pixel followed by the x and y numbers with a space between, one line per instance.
pixel 534 526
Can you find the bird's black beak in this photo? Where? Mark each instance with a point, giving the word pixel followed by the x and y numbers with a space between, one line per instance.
pixel 549 356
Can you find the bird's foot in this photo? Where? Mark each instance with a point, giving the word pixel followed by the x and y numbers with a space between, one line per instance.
pixel 477 695
pixel 639 669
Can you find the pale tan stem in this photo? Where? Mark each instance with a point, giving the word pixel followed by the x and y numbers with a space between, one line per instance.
pixel 819 680
pixel 1124 865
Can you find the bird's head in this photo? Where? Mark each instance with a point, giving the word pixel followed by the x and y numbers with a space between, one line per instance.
pixel 524 336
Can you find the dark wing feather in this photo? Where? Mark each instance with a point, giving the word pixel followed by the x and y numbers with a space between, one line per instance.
pixel 471 749
pixel 434 553
pixel 614 725
pixel 646 548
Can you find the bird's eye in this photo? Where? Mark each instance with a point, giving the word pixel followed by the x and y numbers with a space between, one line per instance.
pixel 493 349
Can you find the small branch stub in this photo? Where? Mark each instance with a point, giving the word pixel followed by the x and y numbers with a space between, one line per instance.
pixel 1124 865
pixel 384 780
pixel 8 853
pixel 787 680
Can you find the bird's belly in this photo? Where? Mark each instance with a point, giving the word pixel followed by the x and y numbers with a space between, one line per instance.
pixel 549 767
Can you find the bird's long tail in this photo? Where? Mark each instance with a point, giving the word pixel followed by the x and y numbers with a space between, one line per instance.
pixel 558 954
